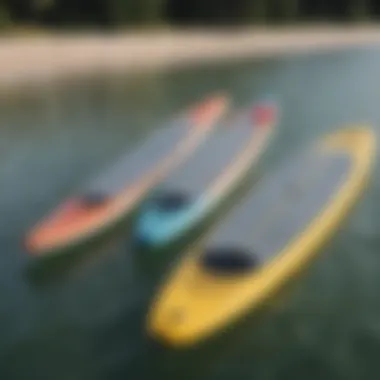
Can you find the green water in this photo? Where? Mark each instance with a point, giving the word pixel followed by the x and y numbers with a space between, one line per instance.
pixel 85 320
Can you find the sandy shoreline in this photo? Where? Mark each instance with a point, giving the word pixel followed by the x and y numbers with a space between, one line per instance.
pixel 27 60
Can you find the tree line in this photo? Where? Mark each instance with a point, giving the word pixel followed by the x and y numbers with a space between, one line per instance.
pixel 117 13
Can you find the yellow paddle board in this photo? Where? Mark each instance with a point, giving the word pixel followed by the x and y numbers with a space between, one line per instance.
pixel 269 237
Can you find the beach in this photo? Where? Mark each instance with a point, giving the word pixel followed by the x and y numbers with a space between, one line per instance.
pixel 34 59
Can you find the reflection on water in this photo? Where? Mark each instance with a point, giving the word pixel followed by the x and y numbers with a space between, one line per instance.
pixel 89 323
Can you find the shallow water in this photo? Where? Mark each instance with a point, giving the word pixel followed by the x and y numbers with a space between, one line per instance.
pixel 86 319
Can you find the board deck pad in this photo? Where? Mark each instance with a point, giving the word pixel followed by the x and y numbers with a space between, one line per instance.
pixel 134 164
pixel 280 209
pixel 210 159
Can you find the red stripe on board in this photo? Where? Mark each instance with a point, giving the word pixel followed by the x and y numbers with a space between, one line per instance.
pixel 264 114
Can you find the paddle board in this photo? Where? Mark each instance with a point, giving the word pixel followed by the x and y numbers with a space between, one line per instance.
pixel 108 199
pixel 268 238
pixel 197 186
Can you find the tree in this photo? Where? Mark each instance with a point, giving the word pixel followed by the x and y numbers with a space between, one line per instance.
pixel 151 11
pixel 132 12
pixel 290 10
pixel 257 10
pixel 5 18
pixel 358 9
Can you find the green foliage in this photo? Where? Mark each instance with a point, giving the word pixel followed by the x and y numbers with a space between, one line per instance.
pixel 290 9
pixel 358 10
pixel 120 13
pixel 5 19
pixel 132 12
pixel 258 11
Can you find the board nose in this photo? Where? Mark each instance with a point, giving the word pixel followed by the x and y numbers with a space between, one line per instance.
pixel 264 113
pixel 211 106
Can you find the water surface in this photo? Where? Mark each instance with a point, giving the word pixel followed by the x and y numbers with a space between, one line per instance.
pixel 87 321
